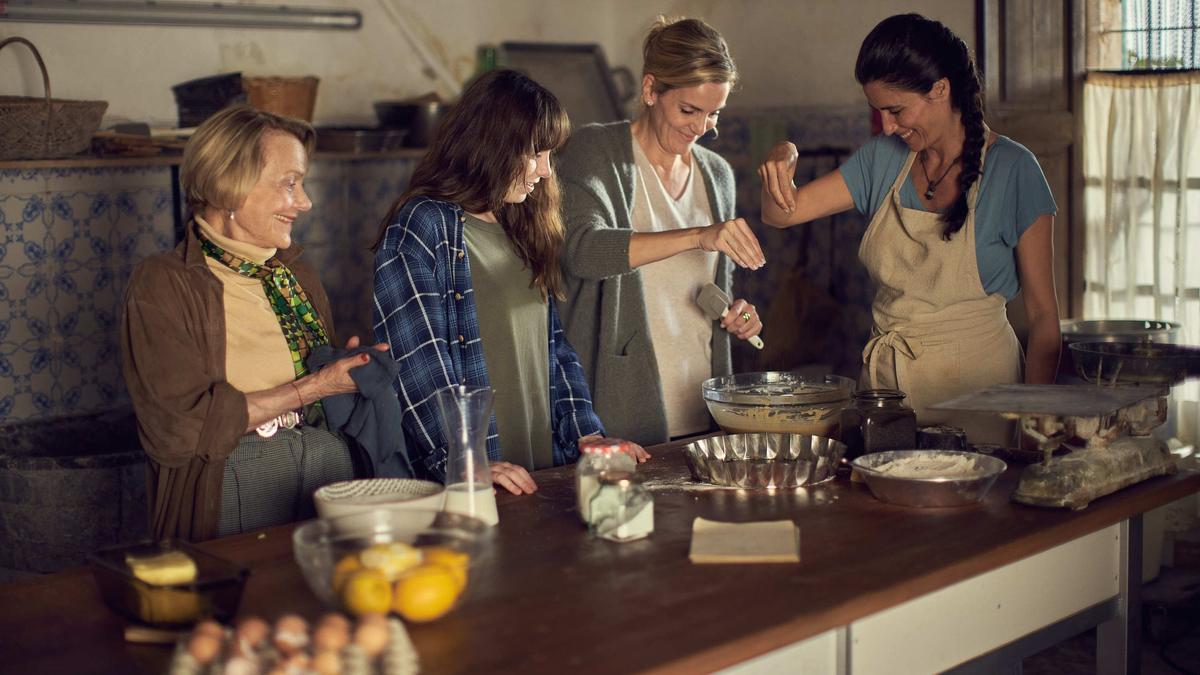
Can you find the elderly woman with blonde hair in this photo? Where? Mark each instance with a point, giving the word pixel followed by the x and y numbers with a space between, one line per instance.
pixel 215 338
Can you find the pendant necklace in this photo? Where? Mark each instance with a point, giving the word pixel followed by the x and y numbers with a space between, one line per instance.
pixel 932 184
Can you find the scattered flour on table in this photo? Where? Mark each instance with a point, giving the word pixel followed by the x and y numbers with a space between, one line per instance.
pixel 932 465
pixel 680 483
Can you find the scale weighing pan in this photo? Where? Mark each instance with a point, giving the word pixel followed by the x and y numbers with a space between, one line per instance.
pixel 1067 400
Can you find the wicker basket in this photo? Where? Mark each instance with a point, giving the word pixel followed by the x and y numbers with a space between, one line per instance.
pixel 43 128
pixel 287 96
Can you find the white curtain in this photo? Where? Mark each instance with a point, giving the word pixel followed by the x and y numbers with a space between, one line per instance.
pixel 1141 162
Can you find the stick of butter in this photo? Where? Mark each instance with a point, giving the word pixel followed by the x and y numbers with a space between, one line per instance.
pixel 163 569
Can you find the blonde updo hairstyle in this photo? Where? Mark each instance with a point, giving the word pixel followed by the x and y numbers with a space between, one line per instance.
pixel 223 159
pixel 686 53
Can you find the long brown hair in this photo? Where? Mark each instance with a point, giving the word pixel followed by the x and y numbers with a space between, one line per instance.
pixel 479 151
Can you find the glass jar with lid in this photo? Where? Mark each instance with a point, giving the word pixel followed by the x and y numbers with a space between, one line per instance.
pixel 622 509
pixel 876 420
pixel 595 458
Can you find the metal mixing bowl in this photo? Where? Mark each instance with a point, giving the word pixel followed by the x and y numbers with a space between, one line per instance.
pixel 777 402
pixel 1135 362
pixel 764 460
pixel 932 489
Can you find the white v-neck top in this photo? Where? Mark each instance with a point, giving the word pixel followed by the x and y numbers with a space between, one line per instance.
pixel 679 331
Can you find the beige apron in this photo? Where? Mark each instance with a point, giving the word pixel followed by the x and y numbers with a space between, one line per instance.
pixel 936 333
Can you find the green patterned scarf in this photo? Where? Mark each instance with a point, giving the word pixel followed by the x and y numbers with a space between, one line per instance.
pixel 302 326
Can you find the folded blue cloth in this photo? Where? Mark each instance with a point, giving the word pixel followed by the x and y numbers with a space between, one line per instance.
pixel 372 416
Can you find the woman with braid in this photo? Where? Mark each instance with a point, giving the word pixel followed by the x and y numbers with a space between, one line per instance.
pixel 216 334
pixel 960 222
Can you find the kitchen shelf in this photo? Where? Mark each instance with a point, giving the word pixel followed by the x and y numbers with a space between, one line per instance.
pixel 95 161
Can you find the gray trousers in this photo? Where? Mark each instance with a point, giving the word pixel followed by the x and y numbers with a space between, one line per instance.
pixel 270 481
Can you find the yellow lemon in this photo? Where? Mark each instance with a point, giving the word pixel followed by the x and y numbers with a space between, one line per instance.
pixel 348 565
pixel 426 593
pixel 366 591
pixel 456 561
pixel 392 559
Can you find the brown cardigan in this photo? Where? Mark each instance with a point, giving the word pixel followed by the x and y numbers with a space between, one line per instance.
pixel 189 417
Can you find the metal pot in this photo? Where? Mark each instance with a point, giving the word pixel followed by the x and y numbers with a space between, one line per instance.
pixel 420 118
pixel 358 139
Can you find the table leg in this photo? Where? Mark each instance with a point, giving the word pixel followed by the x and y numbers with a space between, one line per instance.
pixel 1119 640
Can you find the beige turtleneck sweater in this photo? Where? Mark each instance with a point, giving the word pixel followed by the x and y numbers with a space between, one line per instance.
pixel 256 354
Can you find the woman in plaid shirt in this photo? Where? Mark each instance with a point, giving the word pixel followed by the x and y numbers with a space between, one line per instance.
pixel 466 277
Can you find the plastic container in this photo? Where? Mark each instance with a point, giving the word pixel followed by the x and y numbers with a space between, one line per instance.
pixel 215 592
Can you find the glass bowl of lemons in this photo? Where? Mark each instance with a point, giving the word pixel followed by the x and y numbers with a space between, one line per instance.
pixel 412 563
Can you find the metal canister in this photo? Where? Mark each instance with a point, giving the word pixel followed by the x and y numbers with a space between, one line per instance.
pixel 941 437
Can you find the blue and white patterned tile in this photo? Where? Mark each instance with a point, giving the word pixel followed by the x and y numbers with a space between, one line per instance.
pixel 97 179
pixel 323 223
pixel 374 186
pixel 64 261
pixel 22 182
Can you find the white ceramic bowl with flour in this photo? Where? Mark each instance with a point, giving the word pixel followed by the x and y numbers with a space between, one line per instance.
pixel 925 478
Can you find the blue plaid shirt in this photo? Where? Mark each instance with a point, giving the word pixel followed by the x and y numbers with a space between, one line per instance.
pixel 425 311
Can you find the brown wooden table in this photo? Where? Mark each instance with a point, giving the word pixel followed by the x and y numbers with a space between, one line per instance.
pixel 546 597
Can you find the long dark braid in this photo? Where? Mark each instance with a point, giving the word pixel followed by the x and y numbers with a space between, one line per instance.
pixel 968 100
pixel 912 52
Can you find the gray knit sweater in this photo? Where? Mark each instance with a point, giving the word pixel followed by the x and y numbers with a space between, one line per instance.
pixel 604 313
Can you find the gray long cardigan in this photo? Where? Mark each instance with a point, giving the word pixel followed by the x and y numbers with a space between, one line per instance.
pixel 604 313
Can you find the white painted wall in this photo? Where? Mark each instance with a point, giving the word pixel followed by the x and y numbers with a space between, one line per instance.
pixel 790 52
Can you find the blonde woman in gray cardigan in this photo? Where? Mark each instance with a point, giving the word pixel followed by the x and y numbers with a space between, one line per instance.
pixel 650 220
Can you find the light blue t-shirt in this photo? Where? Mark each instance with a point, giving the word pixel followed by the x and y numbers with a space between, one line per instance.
pixel 1012 196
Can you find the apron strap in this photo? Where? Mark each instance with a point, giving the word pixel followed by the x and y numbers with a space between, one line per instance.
pixel 899 346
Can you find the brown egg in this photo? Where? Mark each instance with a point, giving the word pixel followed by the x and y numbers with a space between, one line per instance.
pixel 291 634
pixel 327 663
pixel 209 627
pixel 335 619
pixel 331 637
pixel 371 635
pixel 252 630
pixel 204 648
